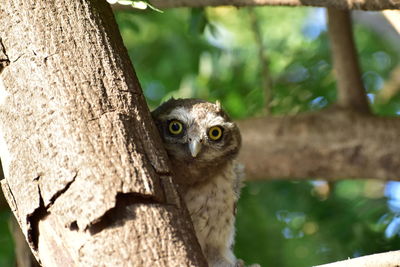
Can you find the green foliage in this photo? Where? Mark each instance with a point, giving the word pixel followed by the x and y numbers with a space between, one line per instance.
pixel 288 224
pixel 6 244
pixel 212 54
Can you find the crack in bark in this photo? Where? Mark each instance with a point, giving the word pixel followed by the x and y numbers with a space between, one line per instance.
pixel 60 192
pixel 41 212
pixel 4 60
pixel 117 215
pixel 102 114
pixel 33 222
pixel 19 56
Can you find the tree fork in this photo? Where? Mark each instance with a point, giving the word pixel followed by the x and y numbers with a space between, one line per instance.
pixel 86 174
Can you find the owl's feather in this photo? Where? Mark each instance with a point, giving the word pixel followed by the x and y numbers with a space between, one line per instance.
pixel 208 180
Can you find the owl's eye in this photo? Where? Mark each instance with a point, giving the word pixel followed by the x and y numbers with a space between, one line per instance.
pixel 175 127
pixel 215 133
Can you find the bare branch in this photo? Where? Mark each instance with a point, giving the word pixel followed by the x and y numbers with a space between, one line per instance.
pixel 387 259
pixel 330 144
pixel 351 93
pixel 340 4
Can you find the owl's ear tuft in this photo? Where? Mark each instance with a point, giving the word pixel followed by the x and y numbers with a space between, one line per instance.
pixel 218 104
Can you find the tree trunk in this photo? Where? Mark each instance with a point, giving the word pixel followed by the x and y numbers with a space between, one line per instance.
pixel 85 172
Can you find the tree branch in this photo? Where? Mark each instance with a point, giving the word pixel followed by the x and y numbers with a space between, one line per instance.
pixel 351 93
pixel 387 259
pixel 340 4
pixel 329 144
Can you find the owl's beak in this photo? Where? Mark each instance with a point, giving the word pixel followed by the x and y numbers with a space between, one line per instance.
pixel 194 147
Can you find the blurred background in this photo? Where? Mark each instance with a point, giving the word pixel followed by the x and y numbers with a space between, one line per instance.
pixel 272 61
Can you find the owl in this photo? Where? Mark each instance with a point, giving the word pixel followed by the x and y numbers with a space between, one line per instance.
pixel 202 143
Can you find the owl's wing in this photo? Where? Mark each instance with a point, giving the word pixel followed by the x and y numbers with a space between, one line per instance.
pixel 239 174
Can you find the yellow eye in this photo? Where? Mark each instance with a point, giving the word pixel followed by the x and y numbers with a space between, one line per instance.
pixel 215 133
pixel 175 127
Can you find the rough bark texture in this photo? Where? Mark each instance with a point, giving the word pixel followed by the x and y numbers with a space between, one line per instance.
pixel 351 92
pixel 79 149
pixel 340 4
pixel 330 144
pixel 388 259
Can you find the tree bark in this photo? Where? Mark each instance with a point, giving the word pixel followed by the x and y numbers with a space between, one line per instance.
pixel 340 4
pixel 351 92
pixel 331 144
pixel 85 171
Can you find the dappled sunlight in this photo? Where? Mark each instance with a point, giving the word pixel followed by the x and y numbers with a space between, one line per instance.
pixel 283 69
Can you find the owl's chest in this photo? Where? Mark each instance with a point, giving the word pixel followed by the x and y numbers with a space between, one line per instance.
pixel 211 207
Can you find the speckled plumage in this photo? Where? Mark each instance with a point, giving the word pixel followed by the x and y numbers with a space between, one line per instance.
pixel 208 181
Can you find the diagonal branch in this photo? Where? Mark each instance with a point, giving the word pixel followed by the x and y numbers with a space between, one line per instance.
pixel 351 93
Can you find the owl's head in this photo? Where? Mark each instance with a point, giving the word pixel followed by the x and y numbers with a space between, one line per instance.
pixel 195 130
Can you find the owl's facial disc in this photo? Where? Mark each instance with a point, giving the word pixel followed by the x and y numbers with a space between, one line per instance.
pixel 197 134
